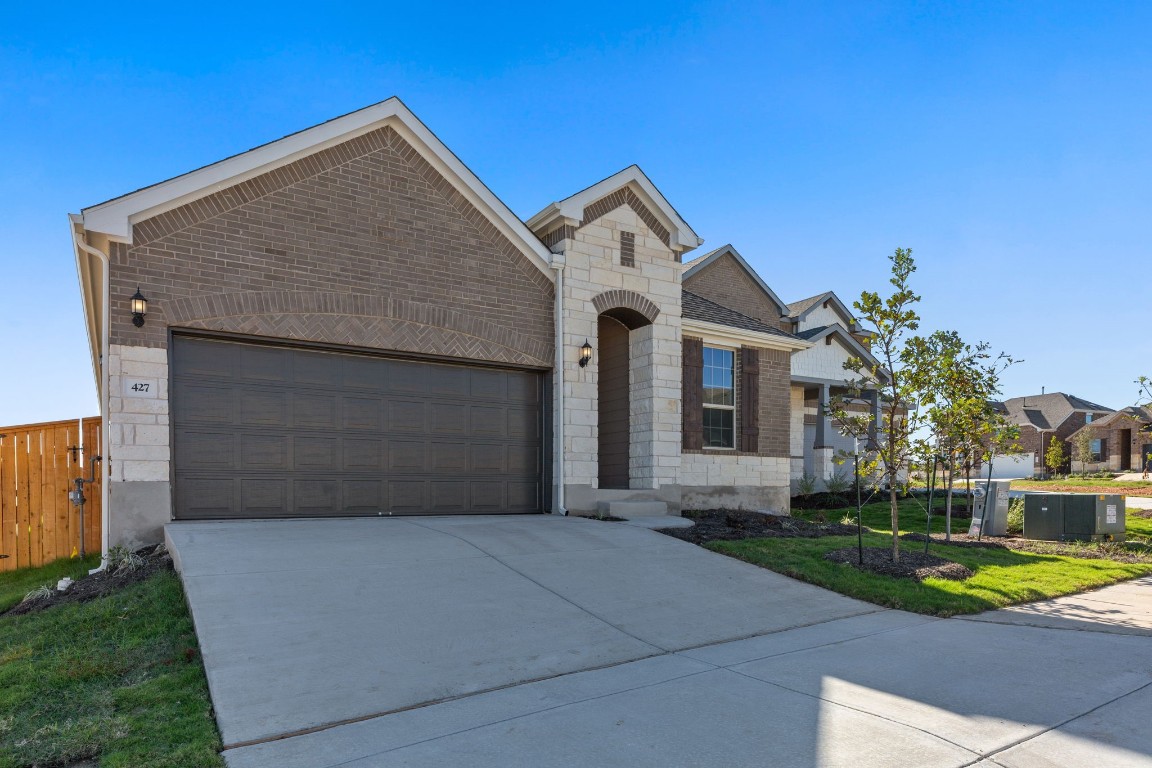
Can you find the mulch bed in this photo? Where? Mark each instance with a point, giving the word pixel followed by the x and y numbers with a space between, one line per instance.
pixel 735 524
pixel 156 559
pixel 1115 551
pixel 912 565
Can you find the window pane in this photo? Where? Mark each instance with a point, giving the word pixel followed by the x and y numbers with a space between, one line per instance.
pixel 718 376
pixel 718 432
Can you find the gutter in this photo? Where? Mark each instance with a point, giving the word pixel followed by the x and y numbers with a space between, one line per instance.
pixel 558 389
pixel 101 374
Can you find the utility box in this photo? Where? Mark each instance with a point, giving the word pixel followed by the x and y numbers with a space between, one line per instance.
pixel 1074 517
pixel 990 508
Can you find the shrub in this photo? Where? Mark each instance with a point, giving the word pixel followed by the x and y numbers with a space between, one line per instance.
pixel 1015 521
pixel 837 484
pixel 806 485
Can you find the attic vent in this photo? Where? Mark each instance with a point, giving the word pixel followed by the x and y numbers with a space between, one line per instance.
pixel 828 341
pixel 627 249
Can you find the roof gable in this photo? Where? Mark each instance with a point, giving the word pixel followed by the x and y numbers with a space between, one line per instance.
pixel 841 335
pixel 115 218
pixel 798 310
pixel 728 253
pixel 628 187
pixel 1048 411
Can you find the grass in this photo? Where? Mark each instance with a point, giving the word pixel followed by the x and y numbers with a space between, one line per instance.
pixel 1002 576
pixel 119 677
pixel 15 584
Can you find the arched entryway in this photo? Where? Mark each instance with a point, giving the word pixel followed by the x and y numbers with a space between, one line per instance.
pixel 614 394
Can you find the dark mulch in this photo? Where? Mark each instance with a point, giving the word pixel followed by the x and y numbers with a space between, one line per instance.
pixel 1115 551
pixel 735 524
pixel 912 565
pixel 821 501
pixel 156 559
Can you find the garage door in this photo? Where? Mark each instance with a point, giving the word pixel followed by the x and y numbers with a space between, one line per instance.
pixel 267 431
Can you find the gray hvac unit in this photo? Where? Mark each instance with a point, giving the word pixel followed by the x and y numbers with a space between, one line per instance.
pixel 1074 517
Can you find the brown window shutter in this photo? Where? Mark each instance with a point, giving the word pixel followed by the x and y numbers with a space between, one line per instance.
pixel 750 399
pixel 693 400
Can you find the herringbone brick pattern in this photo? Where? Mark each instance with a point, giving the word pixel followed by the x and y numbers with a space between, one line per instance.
pixel 361 238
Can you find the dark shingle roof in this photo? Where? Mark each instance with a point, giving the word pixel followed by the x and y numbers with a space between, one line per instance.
pixel 699 308
pixel 799 307
pixel 1047 411
pixel 811 332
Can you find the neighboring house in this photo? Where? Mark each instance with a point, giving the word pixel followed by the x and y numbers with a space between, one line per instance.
pixel 1121 441
pixel 1041 419
pixel 347 321
pixel 817 372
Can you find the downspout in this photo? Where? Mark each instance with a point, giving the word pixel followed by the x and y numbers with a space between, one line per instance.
pixel 558 389
pixel 102 383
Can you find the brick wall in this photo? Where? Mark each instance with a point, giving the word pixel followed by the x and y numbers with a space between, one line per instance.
pixel 369 223
pixel 725 282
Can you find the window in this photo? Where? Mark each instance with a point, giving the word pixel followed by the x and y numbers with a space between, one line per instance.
pixel 719 398
pixel 1097 450
pixel 1089 417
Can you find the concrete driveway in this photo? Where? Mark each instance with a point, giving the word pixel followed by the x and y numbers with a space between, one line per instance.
pixel 540 641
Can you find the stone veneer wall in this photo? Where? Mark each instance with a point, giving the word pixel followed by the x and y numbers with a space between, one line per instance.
pixel 593 268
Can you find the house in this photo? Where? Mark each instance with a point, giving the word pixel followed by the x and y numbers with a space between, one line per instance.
pixel 1121 441
pixel 1041 419
pixel 347 321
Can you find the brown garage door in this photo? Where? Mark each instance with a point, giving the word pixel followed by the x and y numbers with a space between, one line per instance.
pixel 268 431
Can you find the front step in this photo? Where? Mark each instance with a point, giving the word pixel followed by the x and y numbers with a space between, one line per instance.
pixel 631 509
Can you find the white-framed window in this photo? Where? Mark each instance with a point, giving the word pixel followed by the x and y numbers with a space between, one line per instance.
pixel 1097 449
pixel 719 397
pixel 1088 418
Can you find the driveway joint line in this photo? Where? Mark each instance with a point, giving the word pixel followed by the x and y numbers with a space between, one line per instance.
pixel 554 592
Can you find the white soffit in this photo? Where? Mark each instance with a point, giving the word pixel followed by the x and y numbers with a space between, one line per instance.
pixel 116 217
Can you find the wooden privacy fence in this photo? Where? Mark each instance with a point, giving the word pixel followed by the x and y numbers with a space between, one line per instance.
pixel 38 463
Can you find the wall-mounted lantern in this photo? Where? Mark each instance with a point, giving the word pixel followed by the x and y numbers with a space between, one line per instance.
pixel 585 353
pixel 139 308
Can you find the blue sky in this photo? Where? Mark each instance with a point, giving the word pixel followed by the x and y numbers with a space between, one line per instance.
pixel 1007 144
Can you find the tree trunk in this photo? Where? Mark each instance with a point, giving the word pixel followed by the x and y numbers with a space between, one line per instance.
pixel 895 522
pixel 948 502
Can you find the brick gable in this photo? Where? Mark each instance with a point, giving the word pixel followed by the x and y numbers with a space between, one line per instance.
pixel 368 218
pixel 725 282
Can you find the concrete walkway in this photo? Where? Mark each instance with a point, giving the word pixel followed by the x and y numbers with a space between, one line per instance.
pixel 616 646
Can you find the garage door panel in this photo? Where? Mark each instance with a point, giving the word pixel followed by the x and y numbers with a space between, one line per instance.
pixel 278 432
pixel 316 497
pixel 407 496
pixel 448 419
pixel 488 458
pixel 488 385
pixel 487 496
pixel 407 456
pixel 204 404
pixel 489 421
pixel 408 416
pixel 449 458
pixel 363 496
pixel 317 370
pixel 263 496
pixel 318 454
pixel 261 451
pixel 264 408
pixel 264 364
pixel 202 450
pixel 363 454
pixel 362 414
pixel 313 411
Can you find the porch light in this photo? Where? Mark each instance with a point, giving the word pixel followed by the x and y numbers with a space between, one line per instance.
pixel 139 308
pixel 585 353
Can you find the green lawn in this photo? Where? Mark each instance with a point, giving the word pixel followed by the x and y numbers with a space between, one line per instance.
pixel 1084 485
pixel 1139 526
pixel 118 678
pixel 15 584
pixel 878 516
pixel 1002 576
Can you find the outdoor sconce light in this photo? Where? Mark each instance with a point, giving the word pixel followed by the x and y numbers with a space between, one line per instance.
pixel 585 353
pixel 139 308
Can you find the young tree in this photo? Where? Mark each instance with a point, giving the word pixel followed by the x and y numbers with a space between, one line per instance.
pixel 1055 456
pixel 957 381
pixel 1082 447
pixel 1144 394
pixel 893 319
